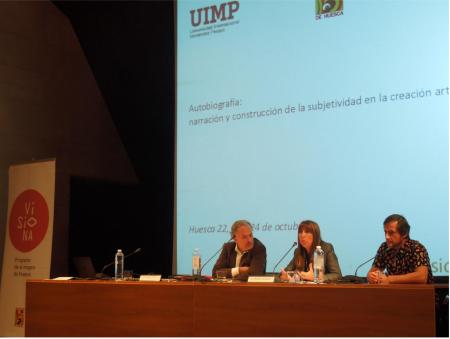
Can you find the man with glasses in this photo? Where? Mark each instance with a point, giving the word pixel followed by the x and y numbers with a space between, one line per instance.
pixel 399 259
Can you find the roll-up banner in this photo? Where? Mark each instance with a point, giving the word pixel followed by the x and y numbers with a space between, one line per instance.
pixel 28 239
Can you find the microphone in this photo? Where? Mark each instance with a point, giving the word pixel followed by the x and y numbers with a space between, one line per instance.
pixel 365 262
pixel 211 257
pixel 355 278
pixel 111 263
pixel 290 248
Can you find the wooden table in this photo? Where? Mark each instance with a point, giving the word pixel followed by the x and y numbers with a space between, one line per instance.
pixel 131 308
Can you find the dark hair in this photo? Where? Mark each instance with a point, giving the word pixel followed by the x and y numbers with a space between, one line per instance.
pixel 303 258
pixel 402 224
pixel 311 227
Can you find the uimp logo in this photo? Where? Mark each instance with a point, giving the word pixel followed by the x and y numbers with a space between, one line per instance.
pixel 211 14
pixel 28 221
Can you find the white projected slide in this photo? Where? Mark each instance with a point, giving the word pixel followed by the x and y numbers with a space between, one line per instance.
pixel 285 113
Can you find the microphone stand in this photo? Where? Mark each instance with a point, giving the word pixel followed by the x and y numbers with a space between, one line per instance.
pixel 211 257
pixel 355 278
pixel 284 256
pixel 365 262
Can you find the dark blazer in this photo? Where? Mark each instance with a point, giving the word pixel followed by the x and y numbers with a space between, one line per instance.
pixel 332 269
pixel 254 258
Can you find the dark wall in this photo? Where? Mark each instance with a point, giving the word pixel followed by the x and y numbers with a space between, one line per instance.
pixel 106 216
pixel 52 107
pixel 130 48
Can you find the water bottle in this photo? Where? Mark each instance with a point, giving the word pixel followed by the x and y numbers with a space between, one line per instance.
pixel 319 260
pixel 119 265
pixel 196 263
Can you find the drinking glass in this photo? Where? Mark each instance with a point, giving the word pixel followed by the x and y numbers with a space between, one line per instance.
pixel 298 278
pixel 291 276
pixel 379 274
pixel 221 275
pixel 128 275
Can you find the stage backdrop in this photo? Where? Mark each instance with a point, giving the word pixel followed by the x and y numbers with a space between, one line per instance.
pixel 28 244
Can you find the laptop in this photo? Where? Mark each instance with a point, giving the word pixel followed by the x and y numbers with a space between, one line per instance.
pixel 84 267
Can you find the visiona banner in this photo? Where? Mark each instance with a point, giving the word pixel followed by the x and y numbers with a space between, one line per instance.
pixel 28 240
